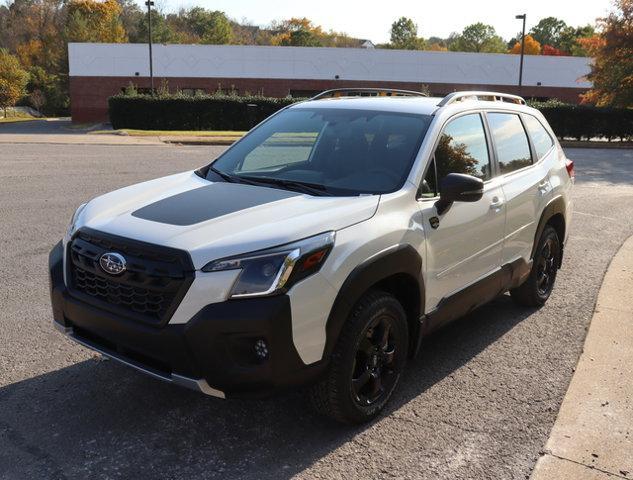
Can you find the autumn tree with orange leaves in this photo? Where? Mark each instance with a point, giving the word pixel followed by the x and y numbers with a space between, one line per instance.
pixel 612 69
pixel 92 21
pixel 532 47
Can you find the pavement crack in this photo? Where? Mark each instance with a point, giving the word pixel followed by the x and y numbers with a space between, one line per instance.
pixel 591 467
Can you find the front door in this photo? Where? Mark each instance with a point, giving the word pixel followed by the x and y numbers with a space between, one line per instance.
pixel 464 244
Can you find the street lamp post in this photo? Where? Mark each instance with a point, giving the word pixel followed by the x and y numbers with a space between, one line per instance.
pixel 150 4
pixel 521 17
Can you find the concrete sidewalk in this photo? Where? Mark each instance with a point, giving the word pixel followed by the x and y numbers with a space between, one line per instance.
pixel 593 434
pixel 78 139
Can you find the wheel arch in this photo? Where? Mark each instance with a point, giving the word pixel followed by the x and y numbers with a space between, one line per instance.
pixel 396 271
pixel 554 215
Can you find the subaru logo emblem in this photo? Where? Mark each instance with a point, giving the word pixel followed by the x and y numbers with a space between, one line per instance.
pixel 112 263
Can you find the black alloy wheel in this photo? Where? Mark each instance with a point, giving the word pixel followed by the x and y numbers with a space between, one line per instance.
pixel 546 267
pixel 367 361
pixel 537 288
pixel 374 371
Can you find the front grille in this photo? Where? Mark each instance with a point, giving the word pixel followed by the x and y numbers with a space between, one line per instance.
pixel 141 300
pixel 150 289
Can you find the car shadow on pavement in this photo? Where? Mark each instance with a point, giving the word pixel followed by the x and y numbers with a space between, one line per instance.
pixel 100 419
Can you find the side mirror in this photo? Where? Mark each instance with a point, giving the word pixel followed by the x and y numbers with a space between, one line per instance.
pixel 458 187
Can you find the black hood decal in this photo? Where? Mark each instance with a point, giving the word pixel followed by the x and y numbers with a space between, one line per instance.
pixel 208 202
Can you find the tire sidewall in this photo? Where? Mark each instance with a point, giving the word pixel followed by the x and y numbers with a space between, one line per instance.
pixel 385 304
pixel 548 233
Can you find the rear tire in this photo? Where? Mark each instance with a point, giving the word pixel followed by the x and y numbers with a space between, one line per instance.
pixel 535 291
pixel 367 361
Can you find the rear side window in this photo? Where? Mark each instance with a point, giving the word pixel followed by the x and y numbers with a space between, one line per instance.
pixel 462 148
pixel 540 138
pixel 511 142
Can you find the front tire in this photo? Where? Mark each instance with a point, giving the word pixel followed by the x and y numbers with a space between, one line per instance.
pixel 535 291
pixel 367 361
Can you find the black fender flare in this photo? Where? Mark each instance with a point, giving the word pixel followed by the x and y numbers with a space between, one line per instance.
pixel 554 207
pixel 401 259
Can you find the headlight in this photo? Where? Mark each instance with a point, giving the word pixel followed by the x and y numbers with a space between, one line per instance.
pixel 73 221
pixel 275 270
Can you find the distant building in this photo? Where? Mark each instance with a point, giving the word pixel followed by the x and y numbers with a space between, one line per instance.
pixel 98 71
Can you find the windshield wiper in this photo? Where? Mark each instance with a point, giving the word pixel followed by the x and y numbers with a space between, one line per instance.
pixel 236 178
pixel 297 185
pixel 225 176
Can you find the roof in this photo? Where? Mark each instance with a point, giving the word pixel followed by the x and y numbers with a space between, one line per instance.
pixel 317 63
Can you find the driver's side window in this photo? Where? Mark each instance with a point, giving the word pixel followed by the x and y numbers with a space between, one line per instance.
pixel 462 148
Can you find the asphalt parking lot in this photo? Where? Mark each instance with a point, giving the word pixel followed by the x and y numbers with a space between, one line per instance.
pixel 479 402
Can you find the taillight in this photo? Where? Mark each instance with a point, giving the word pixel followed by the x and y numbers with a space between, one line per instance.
pixel 569 165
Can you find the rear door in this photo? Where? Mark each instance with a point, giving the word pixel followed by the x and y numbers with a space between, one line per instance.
pixel 524 178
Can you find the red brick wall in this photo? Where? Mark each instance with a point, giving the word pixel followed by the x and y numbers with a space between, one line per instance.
pixel 89 95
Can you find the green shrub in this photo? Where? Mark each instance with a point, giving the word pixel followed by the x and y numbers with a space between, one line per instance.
pixel 199 112
pixel 231 112
pixel 584 122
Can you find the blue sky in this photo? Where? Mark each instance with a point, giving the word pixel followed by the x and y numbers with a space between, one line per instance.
pixel 368 19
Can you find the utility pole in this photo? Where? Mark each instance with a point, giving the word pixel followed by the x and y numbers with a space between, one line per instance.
pixel 150 4
pixel 521 17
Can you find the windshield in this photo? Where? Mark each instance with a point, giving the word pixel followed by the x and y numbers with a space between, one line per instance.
pixel 334 151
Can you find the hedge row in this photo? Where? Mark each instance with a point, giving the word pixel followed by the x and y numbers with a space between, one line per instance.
pixel 200 112
pixel 231 112
pixel 583 122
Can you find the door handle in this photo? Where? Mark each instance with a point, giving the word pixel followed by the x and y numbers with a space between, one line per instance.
pixel 496 204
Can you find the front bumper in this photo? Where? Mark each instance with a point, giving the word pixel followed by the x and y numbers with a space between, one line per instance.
pixel 213 352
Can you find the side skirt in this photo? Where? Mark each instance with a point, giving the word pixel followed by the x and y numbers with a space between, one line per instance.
pixel 509 276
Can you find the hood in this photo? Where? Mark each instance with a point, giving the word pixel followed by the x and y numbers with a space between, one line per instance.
pixel 212 220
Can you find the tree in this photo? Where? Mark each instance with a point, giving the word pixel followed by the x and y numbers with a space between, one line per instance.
pixel 590 46
pixel 53 88
pixel 301 38
pixel 211 27
pixel 92 21
pixel 532 47
pixel 161 30
pixel 131 17
pixel 298 32
pixel 13 80
pixel 32 30
pixel 552 51
pixel 612 69
pixel 571 40
pixel 404 35
pixel 548 31
pixel 37 99
pixel 479 37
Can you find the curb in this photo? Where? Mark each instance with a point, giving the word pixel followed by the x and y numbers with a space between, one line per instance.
pixel 589 144
pixel 592 437
pixel 198 140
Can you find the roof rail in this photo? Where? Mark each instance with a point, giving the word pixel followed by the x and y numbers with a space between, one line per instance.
pixel 485 96
pixel 367 92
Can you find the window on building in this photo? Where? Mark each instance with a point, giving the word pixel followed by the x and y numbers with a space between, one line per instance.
pixel 511 142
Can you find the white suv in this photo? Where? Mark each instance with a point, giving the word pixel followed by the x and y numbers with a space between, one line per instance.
pixel 322 247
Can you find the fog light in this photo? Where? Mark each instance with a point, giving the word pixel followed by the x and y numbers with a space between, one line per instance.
pixel 261 349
